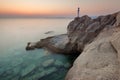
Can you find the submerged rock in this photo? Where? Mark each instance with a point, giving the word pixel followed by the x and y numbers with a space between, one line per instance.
pixel 27 70
pixel 58 63
pixel 48 62
pixel 49 32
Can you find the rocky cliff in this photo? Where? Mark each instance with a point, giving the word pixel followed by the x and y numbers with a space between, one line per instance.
pixel 83 30
pixel 96 40
pixel 100 59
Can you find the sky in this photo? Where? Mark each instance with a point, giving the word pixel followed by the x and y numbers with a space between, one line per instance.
pixel 57 8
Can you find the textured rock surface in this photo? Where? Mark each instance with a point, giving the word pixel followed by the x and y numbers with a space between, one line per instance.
pixel 83 30
pixel 100 60
pixel 115 41
pixel 118 19
pixel 55 43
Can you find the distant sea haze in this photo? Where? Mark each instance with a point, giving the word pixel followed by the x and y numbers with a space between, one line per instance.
pixel 22 30
pixel 38 16
pixel 34 16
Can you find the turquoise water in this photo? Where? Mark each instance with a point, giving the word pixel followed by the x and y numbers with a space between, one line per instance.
pixel 18 64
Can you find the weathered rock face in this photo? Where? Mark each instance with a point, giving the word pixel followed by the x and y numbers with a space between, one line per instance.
pixel 115 41
pixel 98 61
pixel 55 44
pixel 117 19
pixel 84 29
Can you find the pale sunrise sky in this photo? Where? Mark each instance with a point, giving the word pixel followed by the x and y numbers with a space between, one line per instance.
pixel 57 7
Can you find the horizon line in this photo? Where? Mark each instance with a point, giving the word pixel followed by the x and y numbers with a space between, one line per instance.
pixel 36 17
pixel 28 16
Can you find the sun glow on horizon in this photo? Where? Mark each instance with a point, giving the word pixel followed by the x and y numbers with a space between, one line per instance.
pixel 57 7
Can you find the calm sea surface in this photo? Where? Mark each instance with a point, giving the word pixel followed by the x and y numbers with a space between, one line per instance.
pixel 18 64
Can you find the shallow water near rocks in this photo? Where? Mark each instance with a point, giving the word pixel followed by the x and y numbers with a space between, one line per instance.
pixel 18 64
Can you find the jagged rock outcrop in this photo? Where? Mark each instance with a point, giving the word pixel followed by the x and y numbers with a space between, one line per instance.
pixel 83 30
pixel 55 44
pixel 80 32
pixel 100 60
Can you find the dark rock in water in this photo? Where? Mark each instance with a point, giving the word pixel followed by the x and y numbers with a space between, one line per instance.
pixel 55 44
pixel 49 32
pixel 30 46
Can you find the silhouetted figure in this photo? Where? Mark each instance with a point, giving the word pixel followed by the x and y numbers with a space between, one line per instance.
pixel 78 12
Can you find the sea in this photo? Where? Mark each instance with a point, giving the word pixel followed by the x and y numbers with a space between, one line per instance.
pixel 18 64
